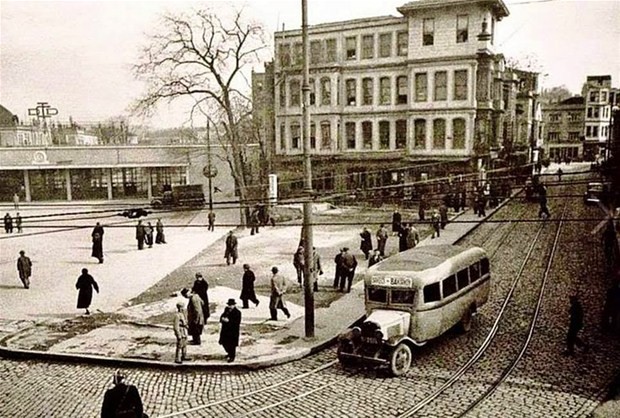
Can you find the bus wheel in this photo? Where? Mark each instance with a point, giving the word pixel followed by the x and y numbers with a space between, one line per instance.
pixel 465 324
pixel 400 360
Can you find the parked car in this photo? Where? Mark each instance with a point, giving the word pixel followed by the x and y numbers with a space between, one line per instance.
pixel 594 193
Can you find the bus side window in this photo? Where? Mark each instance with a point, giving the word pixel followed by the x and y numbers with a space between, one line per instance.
pixel 432 293
pixel 463 278
pixel 474 272
pixel 484 266
pixel 449 286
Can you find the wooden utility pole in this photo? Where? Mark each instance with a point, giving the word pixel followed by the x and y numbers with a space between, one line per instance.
pixel 307 229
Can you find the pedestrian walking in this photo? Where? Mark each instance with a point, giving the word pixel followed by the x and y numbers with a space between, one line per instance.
pixel 413 237
pixel 480 203
pixel 247 287
pixel 276 300
pixel 366 244
pixel 16 201
pixel 122 400
pixel 422 207
pixel 436 223
pixel 299 262
pixel 18 223
pixel 382 237
pixel 160 238
pixel 317 269
pixel 349 264
pixel 560 172
pixel 375 258
pixel 443 216
pixel 339 271
pixel 231 248
pixel 195 315
pixel 575 324
pixel 396 220
pixel 211 218
pixel 542 201
pixel 201 288
pixel 24 268
pixel 140 235
pixel 85 285
pixel 148 234
pixel 254 222
pixel 97 238
pixel 180 332
pixel 229 333
pixel 402 238
pixel 8 223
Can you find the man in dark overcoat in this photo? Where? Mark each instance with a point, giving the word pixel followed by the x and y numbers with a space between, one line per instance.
pixel 24 267
pixel 349 264
pixel 140 235
pixel 382 237
pixel 396 220
pixel 122 400
pixel 299 262
pixel 201 288
pixel 211 218
pixel 231 248
pixel 229 334
pixel 148 234
pixel 97 237
pixel 85 285
pixel 575 324
pixel 195 315
pixel 366 244
pixel 339 275
pixel 18 223
pixel 160 238
pixel 8 223
pixel 402 238
pixel 247 287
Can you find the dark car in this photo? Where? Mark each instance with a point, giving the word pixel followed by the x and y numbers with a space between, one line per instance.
pixel 594 193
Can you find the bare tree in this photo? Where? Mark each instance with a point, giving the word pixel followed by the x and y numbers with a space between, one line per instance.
pixel 204 55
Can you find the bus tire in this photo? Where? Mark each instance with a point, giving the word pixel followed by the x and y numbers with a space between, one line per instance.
pixel 400 360
pixel 466 320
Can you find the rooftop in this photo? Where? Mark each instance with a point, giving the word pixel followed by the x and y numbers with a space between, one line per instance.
pixel 499 7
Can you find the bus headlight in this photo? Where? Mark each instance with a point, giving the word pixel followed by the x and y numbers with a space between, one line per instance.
pixel 356 332
pixel 379 335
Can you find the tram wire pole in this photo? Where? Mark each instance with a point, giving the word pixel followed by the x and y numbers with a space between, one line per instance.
pixel 307 223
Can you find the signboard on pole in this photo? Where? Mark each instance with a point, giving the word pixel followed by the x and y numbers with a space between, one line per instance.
pixel 273 188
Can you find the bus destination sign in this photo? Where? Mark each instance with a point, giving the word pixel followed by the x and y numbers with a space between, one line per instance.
pixel 391 281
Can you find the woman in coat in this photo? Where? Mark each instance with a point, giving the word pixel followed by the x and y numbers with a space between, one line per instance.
pixel 229 334
pixel 97 236
pixel 85 284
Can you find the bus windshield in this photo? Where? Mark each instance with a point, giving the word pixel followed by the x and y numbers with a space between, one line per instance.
pixel 403 296
pixel 376 294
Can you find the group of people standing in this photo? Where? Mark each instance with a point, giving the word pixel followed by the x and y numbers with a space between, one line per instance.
pixel 144 234
pixel 8 223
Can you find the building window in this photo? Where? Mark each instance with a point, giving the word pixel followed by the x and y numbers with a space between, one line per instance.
pixel 595 131
pixel 351 87
pixel 384 134
pixel 295 136
pixel 285 55
pixel 553 136
pixel 421 87
pixel 402 43
pixel 349 128
pixel 367 90
pixel 603 96
pixel 330 50
pixel 312 135
pixel 594 96
pixel 298 53
pixel 573 136
pixel 368 46
pixel 326 135
pixel 367 134
pixel 295 93
pixel 588 131
pixel 458 133
pixel 555 117
pixel 596 112
pixel 428 31
pixel 439 134
pixel 312 86
pixel 326 91
pixel 282 98
pixel 460 85
pixel 441 82
pixel 282 136
pixel 351 46
pixel 315 52
pixel 401 134
pixel 385 45
pixel 462 28
pixel 402 90
pixel 574 117
pixel 419 139
pixel 386 93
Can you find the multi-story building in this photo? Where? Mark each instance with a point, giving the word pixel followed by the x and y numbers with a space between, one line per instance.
pixel 600 97
pixel 564 129
pixel 394 99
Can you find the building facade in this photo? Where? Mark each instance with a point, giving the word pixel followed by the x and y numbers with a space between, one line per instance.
pixel 564 129
pixel 395 99
pixel 600 98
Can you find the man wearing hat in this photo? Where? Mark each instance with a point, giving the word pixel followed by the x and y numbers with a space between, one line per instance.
pixel 349 263
pixel 276 300
pixel 122 400
pixel 24 267
pixel 229 334
pixel 180 332
pixel 195 315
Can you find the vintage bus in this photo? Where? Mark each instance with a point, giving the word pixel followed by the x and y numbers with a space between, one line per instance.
pixel 413 297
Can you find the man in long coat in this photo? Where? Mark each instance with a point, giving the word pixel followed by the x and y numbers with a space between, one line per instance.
pixel 382 237
pixel 231 248
pixel 24 267
pixel 8 223
pixel 247 287
pixel 148 234
pixel 122 400
pixel 366 244
pixel 195 316
pixel 201 288
pixel 276 300
pixel 97 237
pixel 229 334
pixel 160 238
pixel 299 262
pixel 339 275
pixel 85 284
pixel 402 238
pixel 349 264
pixel 140 235
pixel 180 332
pixel 396 220
pixel 211 218
pixel 413 237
